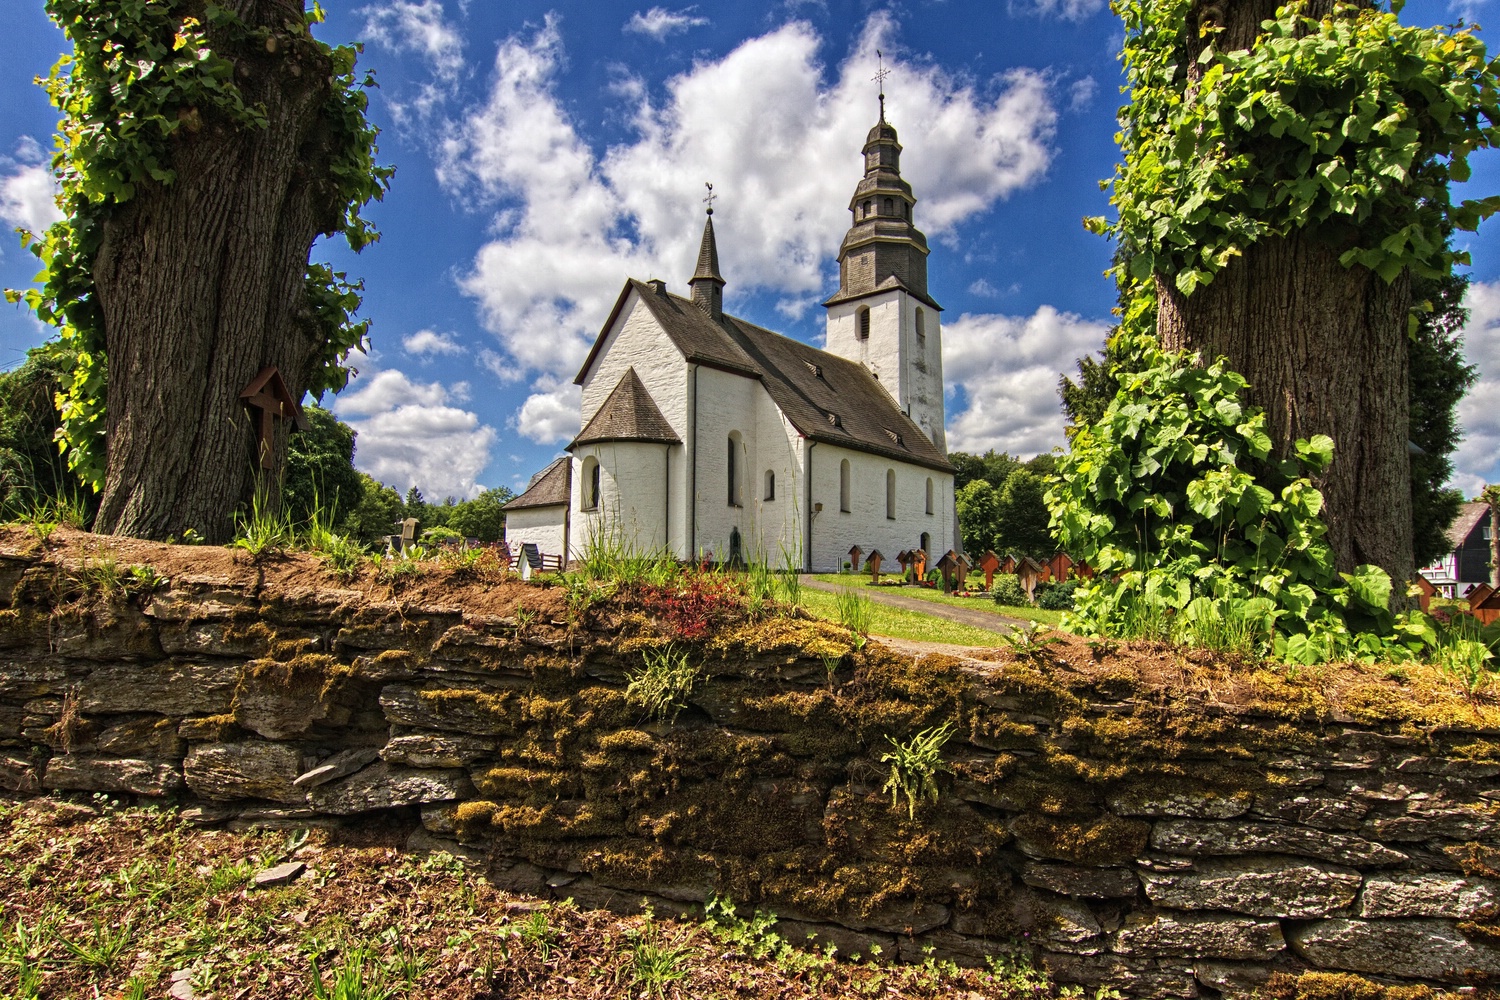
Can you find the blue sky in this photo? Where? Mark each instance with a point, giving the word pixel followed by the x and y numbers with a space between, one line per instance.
pixel 545 152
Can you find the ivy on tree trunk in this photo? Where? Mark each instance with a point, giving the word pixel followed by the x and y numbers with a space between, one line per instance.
pixel 202 151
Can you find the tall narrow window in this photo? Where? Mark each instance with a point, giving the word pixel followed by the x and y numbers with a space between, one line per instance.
pixel 770 485
pixel 864 323
pixel 929 494
pixel 591 483
pixel 890 494
pixel 890 206
pixel 733 469
pixel 844 486
pixel 921 324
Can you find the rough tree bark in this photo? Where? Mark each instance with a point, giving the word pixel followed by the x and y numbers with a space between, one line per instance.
pixel 1491 496
pixel 1324 349
pixel 201 284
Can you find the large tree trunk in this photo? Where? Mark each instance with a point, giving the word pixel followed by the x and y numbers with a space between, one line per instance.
pixel 1324 349
pixel 201 286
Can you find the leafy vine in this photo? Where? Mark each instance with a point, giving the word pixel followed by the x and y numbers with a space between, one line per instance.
pixel 1353 120
pixel 141 72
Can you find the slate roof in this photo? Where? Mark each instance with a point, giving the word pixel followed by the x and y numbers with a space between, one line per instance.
pixel 1469 516
pixel 548 488
pixel 826 397
pixel 628 414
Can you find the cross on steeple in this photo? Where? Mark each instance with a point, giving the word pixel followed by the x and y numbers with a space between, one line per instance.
pixel 879 78
pixel 710 199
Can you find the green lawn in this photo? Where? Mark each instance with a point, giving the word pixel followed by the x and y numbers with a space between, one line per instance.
pixel 899 623
pixel 938 597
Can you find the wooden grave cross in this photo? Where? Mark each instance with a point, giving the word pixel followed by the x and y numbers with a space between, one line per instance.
pixel 854 553
pixel 989 562
pixel 268 400
pixel 1030 573
pixel 1427 591
pixel 1008 564
pixel 872 563
pixel 904 558
pixel 947 566
pixel 962 570
pixel 919 563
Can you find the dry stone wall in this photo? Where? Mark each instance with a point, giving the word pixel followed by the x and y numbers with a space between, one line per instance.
pixel 1163 844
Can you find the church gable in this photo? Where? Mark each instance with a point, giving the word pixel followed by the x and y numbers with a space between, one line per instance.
pixel 628 414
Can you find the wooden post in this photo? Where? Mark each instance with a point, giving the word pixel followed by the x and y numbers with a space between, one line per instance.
pixel 854 554
pixel 872 563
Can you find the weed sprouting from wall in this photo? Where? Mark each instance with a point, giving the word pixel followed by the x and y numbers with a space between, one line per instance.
pixel 665 679
pixel 914 767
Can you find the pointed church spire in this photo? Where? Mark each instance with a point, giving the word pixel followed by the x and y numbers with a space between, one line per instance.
pixel 707 283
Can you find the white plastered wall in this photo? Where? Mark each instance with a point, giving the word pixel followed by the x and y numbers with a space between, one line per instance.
pixel 834 532
pixel 633 500
pixel 543 527
pixel 637 341
pixel 910 367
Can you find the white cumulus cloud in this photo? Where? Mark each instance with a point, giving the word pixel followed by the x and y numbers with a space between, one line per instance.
pixel 1066 10
pixel 551 415
pixel 659 23
pixel 28 191
pixel 1008 367
pixel 412 434
pixel 430 342
pixel 1476 462
pixel 777 132
pixel 421 27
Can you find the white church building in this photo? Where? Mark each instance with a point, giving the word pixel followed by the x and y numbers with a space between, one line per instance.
pixel 711 437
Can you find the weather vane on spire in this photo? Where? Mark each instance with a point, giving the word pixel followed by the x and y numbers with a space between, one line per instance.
pixel 710 199
pixel 879 78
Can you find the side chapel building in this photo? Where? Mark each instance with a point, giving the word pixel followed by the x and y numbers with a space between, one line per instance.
pixel 706 434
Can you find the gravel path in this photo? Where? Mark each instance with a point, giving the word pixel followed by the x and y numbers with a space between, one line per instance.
pixel 979 619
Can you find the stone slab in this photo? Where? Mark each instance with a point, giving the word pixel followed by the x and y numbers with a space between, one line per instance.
pixel 1198 935
pixel 381 786
pixel 1261 886
pixel 88 773
pixel 251 769
pixel 1417 949
pixel 1205 839
pixel 1429 895
pixel 1075 880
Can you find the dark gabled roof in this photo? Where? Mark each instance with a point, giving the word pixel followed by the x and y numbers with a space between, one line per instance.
pixel 827 398
pixel 689 327
pixel 548 488
pixel 628 414
pixel 1469 516
pixel 814 388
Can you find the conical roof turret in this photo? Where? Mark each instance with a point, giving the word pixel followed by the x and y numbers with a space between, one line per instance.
pixel 707 283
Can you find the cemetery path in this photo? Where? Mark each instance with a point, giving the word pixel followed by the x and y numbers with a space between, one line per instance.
pixel 978 619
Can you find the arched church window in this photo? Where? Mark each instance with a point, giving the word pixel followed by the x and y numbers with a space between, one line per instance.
pixel 864 322
pixel 591 483
pixel 733 469
pixel 866 209
pixel 770 485
pixel 844 486
pixel 921 323
pixel 926 545
pixel 929 494
pixel 890 494
pixel 890 206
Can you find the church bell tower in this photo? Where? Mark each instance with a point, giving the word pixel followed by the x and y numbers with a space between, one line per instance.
pixel 882 316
